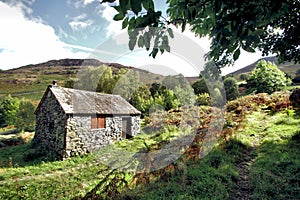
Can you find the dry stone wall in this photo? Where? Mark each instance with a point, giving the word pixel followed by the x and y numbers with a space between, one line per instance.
pixel 82 139
pixel 135 125
pixel 50 127
pixel 66 135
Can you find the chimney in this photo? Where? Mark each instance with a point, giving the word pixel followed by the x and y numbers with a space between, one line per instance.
pixel 54 83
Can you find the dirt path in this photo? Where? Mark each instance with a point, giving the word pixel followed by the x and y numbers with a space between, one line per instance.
pixel 244 189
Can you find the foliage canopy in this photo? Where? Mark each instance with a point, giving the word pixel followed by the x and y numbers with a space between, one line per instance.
pixel 271 26
pixel 231 88
pixel 266 77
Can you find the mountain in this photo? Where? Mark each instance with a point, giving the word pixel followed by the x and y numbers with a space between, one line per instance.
pixel 72 64
pixel 287 67
pixel 30 81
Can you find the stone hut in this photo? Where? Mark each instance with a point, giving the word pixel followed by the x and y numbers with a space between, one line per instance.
pixel 72 122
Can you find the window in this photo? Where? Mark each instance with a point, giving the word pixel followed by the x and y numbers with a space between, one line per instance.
pixel 97 122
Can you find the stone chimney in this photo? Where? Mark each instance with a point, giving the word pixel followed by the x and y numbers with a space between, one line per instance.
pixel 54 83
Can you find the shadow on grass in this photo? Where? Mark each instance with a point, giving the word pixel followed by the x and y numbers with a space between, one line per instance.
pixel 21 155
pixel 275 174
pixel 297 114
pixel 212 177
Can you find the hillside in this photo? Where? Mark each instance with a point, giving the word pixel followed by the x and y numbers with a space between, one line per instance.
pixel 287 67
pixel 256 157
pixel 30 81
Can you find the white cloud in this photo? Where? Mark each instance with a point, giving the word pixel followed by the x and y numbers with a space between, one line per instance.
pixel 27 42
pixel 86 2
pixel 108 14
pixel 22 5
pixel 80 22
pixel 80 3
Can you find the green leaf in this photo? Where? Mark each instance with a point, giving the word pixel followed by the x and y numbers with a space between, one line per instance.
pixel 118 17
pixel 183 25
pixel 125 23
pixel 141 41
pixel 154 52
pixel 170 31
pixel 132 43
pixel 136 6
pixel 236 54
pixel 131 23
pixel 147 39
pixel 148 4
pixel 124 5
pixel 249 49
pixel 168 48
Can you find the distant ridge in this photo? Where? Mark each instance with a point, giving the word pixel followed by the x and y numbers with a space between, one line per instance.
pixel 68 62
pixel 250 67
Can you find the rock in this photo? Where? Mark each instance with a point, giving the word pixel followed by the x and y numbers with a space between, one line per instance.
pixel 295 98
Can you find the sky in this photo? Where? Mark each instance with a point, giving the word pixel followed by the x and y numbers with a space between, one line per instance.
pixel 35 31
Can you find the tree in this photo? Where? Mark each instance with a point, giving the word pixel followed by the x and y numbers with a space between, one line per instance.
pixel 200 87
pixel 170 100
pixel 244 77
pixel 106 82
pixel 25 116
pixel 142 100
pixel 156 88
pixel 8 111
pixel 127 84
pixel 271 26
pixel 266 77
pixel 231 88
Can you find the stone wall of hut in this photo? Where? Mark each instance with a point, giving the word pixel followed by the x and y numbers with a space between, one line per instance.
pixel 65 135
pixel 81 139
pixel 50 127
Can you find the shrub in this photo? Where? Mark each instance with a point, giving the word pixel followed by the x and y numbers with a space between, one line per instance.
pixel 231 88
pixel 266 77
pixel 200 87
pixel 203 99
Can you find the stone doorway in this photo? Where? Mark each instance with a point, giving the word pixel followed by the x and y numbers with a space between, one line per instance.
pixel 126 128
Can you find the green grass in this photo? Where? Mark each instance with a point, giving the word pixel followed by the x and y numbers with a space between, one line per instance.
pixel 42 179
pixel 52 180
pixel 213 177
pixel 274 173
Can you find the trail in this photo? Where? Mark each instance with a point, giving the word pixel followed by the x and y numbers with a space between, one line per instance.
pixel 244 189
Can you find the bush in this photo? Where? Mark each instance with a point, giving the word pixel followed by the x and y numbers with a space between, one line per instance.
pixel 200 87
pixel 231 88
pixel 203 99
pixel 25 119
pixel 266 77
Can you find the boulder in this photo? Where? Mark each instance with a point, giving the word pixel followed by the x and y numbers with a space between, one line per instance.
pixel 295 98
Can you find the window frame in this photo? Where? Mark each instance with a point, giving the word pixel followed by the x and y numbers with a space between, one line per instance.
pixel 98 122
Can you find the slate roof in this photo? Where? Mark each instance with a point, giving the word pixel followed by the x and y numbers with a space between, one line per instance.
pixel 75 101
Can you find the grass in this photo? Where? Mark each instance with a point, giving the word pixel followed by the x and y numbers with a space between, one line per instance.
pixel 41 179
pixel 52 180
pixel 274 173
pixel 212 178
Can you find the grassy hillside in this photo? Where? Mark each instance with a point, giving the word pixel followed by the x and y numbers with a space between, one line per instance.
pixel 256 157
pixel 287 67
pixel 32 80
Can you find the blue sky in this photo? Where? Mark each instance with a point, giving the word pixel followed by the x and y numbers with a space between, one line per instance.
pixel 34 31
